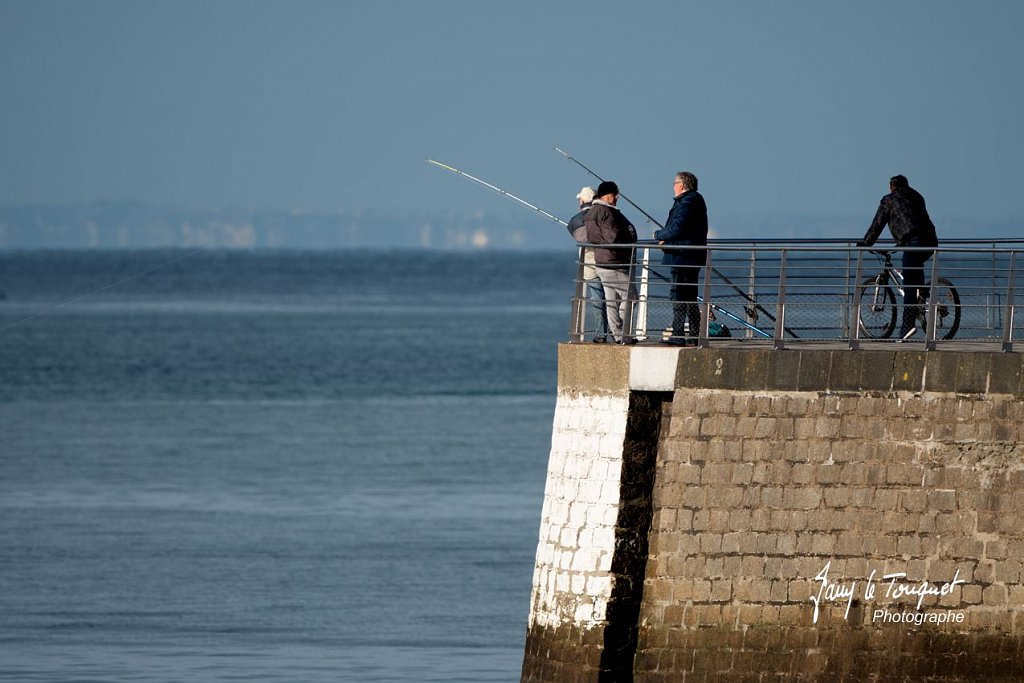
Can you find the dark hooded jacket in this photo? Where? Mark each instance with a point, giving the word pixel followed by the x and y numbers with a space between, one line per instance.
pixel 687 224
pixel 606 225
pixel 576 227
pixel 904 210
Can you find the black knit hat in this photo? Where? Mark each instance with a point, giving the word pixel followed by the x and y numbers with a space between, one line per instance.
pixel 606 187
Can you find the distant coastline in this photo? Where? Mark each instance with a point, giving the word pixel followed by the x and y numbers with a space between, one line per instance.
pixel 138 225
pixel 141 225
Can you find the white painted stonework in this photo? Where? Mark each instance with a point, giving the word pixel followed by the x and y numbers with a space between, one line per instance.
pixel 653 368
pixel 571 579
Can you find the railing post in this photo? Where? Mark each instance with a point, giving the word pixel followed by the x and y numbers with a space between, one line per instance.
pixel 642 295
pixel 703 339
pixel 933 305
pixel 577 321
pixel 1008 315
pixel 780 307
pixel 751 311
pixel 844 314
pixel 858 294
pixel 991 303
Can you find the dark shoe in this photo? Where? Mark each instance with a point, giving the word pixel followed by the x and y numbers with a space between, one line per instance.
pixel 599 340
pixel 628 341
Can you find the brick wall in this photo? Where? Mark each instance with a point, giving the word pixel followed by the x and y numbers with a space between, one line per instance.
pixel 771 466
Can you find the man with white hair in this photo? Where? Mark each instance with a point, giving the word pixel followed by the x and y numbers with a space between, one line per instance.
pixel 594 290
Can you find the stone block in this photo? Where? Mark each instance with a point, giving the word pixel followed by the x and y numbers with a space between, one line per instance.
pixel 940 371
pixel 942 500
pixel 972 372
pixel 783 371
pixel 878 371
pixel 1008 571
pixel 716 473
pixel 826 428
pixel 684 520
pixel 742 473
pixel 994 596
pixel 908 371
pixel 753 373
pixel 814 370
pixel 899 474
pixel 710 543
pixel 721 591
pixel 885 499
pixel 996 549
pixel 714 368
pixel 845 370
pixel 739 519
pixel 971 594
pixel 1005 374
pixel 719 521
pixel 802 473
pixel 828 474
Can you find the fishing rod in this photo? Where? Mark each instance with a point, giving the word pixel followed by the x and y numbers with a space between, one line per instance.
pixel 752 328
pixel 498 190
pixel 650 218
pixel 631 202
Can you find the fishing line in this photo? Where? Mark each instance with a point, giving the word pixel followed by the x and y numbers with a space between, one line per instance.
pixel 276 219
pixel 632 203
pixel 497 189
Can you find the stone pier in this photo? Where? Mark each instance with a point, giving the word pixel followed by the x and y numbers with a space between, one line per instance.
pixel 744 514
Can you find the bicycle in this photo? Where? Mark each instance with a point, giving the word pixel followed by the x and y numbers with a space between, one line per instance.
pixel 878 303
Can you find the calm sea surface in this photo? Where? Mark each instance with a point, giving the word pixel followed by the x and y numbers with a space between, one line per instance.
pixel 273 466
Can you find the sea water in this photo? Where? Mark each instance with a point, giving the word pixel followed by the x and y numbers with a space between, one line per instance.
pixel 273 466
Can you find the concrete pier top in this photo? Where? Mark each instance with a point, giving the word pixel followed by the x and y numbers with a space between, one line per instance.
pixel 664 368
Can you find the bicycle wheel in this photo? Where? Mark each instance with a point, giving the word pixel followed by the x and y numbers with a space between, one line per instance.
pixel 947 309
pixel 877 308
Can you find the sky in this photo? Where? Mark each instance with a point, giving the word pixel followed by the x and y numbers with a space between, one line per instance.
pixel 789 108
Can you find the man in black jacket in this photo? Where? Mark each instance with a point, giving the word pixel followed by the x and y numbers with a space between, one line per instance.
pixel 606 225
pixel 905 212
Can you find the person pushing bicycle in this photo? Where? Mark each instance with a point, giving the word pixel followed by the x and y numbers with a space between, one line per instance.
pixel 904 210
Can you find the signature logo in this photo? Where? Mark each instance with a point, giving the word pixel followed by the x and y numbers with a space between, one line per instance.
pixel 897 588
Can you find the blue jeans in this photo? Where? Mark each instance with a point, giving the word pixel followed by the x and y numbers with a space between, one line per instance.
pixel 595 298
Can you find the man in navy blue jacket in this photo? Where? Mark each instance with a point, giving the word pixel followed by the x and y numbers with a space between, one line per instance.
pixel 687 225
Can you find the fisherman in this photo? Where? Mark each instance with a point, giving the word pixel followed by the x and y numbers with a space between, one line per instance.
pixel 903 209
pixel 594 291
pixel 687 225
pixel 605 224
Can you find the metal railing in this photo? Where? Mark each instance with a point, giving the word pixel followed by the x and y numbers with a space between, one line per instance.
pixel 786 292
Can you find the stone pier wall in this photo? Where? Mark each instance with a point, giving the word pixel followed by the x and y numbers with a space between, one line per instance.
pixel 776 480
